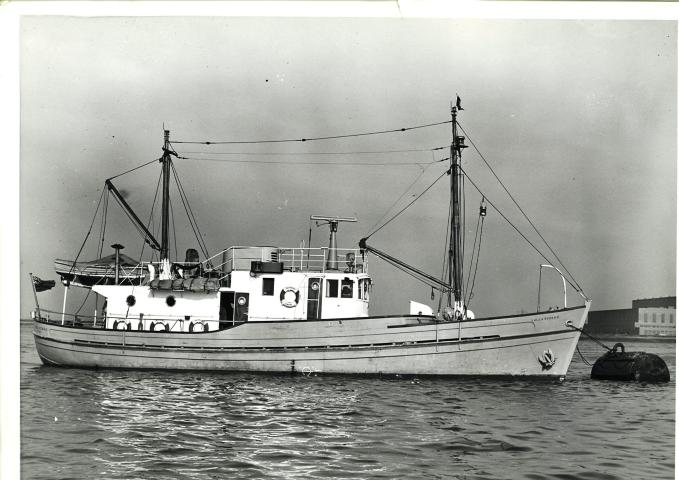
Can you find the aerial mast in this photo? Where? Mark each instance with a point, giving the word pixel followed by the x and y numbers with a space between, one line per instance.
pixel 455 260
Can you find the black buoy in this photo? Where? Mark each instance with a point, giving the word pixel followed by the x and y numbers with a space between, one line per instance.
pixel 638 366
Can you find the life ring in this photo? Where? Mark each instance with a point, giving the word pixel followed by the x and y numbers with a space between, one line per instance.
pixel 201 326
pixel 289 297
pixel 162 327
pixel 126 326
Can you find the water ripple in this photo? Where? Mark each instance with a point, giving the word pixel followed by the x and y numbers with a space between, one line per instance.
pixel 170 425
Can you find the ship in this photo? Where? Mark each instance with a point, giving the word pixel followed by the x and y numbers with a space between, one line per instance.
pixel 297 309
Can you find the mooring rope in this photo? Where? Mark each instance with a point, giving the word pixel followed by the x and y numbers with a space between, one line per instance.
pixel 570 324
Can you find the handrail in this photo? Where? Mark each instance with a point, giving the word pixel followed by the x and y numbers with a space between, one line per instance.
pixel 563 279
pixel 293 258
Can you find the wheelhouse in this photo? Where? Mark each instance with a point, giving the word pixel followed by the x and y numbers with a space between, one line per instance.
pixel 243 284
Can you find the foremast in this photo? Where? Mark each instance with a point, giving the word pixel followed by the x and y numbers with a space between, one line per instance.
pixel 166 162
pixel 161 246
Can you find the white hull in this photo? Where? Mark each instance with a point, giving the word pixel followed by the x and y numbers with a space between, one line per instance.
pixel 416 345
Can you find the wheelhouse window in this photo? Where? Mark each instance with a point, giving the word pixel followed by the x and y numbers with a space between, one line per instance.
pixel 332 288
pixel 267 286
pixel 347 288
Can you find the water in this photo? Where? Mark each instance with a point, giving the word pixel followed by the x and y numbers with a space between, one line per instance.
pixel 78 424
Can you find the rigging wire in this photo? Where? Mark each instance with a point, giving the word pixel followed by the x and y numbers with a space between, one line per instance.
pixel 135 168
pixel 401 197
pixel 283 154
pixel 103 224
pixel 174 229
pixel 478 255
pixel 150 220
pixel 522 211
pixel 409 204
pixel 471 260
pixel 302 162
pixel 512 225
pixel 463 228
pixel 446 248
pixel 88 233
pixel 189 213
pixel 331 137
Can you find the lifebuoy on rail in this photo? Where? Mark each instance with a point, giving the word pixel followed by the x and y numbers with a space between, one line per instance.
pixel 159 327
pixel 289 297
pixel 198 327
pixel 122 324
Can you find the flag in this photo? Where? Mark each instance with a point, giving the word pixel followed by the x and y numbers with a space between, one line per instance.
pixel 459 103
pixel 42 285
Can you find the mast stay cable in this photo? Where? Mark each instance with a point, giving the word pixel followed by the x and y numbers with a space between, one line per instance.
pixel 514 226
pixel 88 233
pixel 409 204
pixel 331 137
pixel 401 196
pixel 189 213
pixel 578 288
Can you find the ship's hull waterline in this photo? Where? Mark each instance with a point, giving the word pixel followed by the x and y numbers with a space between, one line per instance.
pixel 415 345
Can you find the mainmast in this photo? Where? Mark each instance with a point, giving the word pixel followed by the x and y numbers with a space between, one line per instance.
pixel 455 258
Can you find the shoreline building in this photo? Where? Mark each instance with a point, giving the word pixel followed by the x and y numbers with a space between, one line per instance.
pixel 648 316
pixel 656 316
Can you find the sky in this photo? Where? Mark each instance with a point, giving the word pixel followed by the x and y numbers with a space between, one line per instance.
pixel 577 117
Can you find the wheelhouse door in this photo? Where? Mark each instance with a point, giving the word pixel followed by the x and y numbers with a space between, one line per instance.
pixel 226 304
pixel 314 298
pixel 233 307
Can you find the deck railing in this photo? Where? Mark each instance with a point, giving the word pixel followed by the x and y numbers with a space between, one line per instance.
pixel 294 259
pixel 99 321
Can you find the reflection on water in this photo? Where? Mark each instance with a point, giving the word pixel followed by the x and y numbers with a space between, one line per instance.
pixel 132 424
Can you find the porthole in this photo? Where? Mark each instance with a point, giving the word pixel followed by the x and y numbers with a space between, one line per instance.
pixel 131 300
pixel 242 301
pixel 170 300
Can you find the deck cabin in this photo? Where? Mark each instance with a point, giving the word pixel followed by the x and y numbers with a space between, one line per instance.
pixel 242 284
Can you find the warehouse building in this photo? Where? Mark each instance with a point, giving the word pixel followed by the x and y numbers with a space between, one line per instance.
pixel 648 316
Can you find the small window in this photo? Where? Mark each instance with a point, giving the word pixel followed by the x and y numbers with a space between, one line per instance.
pixel 347 288
pixel 332 288
pixel 267 286
pixel 654 318
pixel 662 318
pixel 170 300
pixel 360 288
pixel 130 300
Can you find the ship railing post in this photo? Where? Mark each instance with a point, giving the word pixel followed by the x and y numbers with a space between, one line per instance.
pixel 63 308
pixel 563 280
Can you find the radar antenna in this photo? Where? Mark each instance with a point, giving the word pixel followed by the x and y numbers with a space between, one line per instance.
pixel 331 260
